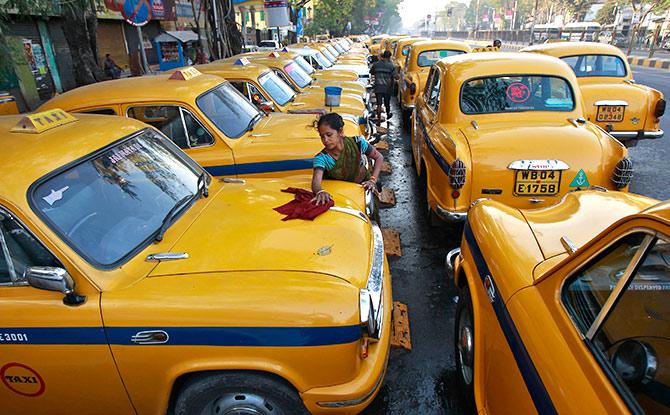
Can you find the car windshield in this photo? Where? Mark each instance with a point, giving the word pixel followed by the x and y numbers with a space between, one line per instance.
pixel 227 109
pixel 596 65
pixel 338 47
pixel 278 90
pixel 114 202
pixel 304 65
pixel 328 55
pixel 268 43
pixel 298 76
pixel 516 93
pixel 429 57
pixel 376 41
pixel 332 50
pixel 322 60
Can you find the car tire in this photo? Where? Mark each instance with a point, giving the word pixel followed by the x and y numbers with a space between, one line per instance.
pixel 223 392
pixel 464 346
pixel 406 119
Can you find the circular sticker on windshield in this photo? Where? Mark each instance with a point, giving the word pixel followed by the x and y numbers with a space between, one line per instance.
pixel 518 92
pixel 22 379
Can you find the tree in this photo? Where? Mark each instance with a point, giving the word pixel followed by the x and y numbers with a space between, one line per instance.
pixel 607 13
pixel 643 8
pixel 578 8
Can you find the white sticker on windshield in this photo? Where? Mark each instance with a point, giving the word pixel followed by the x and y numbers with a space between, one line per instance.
pixel 55 195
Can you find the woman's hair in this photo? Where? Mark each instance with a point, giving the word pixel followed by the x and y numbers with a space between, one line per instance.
pixel 333 119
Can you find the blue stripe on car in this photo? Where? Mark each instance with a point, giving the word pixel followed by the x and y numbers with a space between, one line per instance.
pixel 260 167
pixel 186 336
pixel 444 165
pixel 531 377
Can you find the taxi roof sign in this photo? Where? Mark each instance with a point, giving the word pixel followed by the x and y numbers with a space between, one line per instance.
pixel 43 121
pixel 285 49
pixel 273 55
pixel 185 74
pixel 242 62
pixel 486 49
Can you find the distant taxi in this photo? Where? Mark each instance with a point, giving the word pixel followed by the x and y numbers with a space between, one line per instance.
pixel 375 44
pixel 307 61
pixel 401 51
pixel 510 127
pixel 419 59
pixel 8 104
pixel 268 91
pixel 208 119
pixel 565 310
pixel 134 283
pixel 627 110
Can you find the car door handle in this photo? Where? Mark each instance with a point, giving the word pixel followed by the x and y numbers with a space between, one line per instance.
pixel 150 337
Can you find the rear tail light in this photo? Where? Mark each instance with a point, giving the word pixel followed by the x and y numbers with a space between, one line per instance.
pixel 412 88
pixel 660 108
pixel 457 174
pixel 623 173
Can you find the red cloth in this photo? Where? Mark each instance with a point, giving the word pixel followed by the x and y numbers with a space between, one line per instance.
pixel 302 207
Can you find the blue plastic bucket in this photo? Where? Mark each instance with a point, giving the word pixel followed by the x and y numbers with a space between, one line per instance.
pixel 333 95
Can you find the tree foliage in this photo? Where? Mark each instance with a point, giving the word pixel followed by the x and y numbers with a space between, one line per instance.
pixel 332 16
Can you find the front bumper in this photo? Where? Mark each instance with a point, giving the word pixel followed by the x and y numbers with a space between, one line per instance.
pixel 352 397
pixel 450 216
pixel 409 107
pixel 640 135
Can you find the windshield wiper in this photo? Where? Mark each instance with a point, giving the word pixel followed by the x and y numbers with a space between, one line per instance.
pixel 167 220
pixel 253 121
pixel 202 185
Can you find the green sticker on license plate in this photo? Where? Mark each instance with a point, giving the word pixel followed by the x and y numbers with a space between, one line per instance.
pixel 580 180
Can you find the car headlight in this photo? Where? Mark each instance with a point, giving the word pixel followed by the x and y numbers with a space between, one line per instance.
pixel 372 296
pixel 623 173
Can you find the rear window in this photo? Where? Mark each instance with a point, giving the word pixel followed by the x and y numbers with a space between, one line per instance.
pixel 596 65
pixel 429 57
pixel 517 93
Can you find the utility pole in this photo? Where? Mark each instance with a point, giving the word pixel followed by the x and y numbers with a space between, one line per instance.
pixel 532 26
pixel 476 19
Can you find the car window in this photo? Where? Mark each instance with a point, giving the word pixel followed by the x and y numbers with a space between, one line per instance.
pixel 299 76
pixel 113 202
pixel 99 111
pixel 228 109
pixel 405 50
pixel 322 60
pixel 625 293
pixel 328 55
pixel 434 92
pixel 429 57
pixel 304 65
pixel 268 43
pixel 19 250
pixel 596 65
pixel 429 85
pixel 516 93
pixel 175 122
pixel 280 92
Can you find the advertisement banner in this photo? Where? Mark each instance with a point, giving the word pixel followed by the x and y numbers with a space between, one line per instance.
pixel 276 13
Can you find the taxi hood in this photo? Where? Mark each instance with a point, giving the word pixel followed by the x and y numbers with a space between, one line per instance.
pixel 282 126
pixel 238 230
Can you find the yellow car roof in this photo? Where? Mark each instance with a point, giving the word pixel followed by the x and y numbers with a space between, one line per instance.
pixel 28 156
pixel 228 69
pixel 472 65
pixel 576 48
pixel 144 88
pixel 446 44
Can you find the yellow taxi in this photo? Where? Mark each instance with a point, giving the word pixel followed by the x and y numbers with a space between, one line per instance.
pixel 401 50
pixel 208 119
pixel 293 68
pixel 134 283
pixel 374 45
pixel 265 89
pixel 564 310
pixel 8 104
pixel 414 70
pixel 510 127
pixel 314 70
pixel 335 56
pixel 627 110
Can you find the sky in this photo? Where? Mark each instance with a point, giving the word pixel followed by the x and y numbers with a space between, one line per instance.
pixel 413 10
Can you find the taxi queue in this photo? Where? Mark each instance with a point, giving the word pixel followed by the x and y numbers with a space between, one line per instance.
pixel 127 242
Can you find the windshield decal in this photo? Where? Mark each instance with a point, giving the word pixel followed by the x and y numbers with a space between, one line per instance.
pixel 518 92
pixel 123 152
pixel 55 195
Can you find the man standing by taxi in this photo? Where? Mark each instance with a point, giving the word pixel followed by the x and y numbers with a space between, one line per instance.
pixel 385 74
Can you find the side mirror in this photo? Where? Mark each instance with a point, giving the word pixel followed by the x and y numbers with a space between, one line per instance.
pixel 635 362
pixel 54 279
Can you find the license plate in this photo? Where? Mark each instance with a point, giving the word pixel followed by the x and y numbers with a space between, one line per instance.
pixel 610 113
pixel 537 182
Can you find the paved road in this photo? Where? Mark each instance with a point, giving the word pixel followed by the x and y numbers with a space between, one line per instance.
pixel 423 381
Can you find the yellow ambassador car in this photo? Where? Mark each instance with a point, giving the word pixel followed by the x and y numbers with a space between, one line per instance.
pixel 265 89
pixel 374 45
pixel 401 50
pixel 133 283
pixel 8 104
pixel 350 78
pixel 511 127
pixel 209 119
pixel 414 70
pixel 566 310
pixel 627 110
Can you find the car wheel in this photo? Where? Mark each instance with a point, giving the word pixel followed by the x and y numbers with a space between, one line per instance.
pixel 406 115
pixel 464 342
pixel 239 394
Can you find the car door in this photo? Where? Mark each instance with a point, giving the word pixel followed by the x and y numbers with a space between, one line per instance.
pixel 426 118
pixel 191 134
pixel 54 358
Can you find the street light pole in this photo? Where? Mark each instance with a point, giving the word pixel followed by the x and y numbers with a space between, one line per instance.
pixel 532 26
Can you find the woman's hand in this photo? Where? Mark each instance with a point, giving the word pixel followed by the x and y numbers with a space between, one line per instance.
pixel 322 197
pixel 370 184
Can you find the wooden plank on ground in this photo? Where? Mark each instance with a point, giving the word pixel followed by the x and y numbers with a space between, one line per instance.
pixel 387 197
pixel 391 242
pixel 386 168
pixel 400 336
